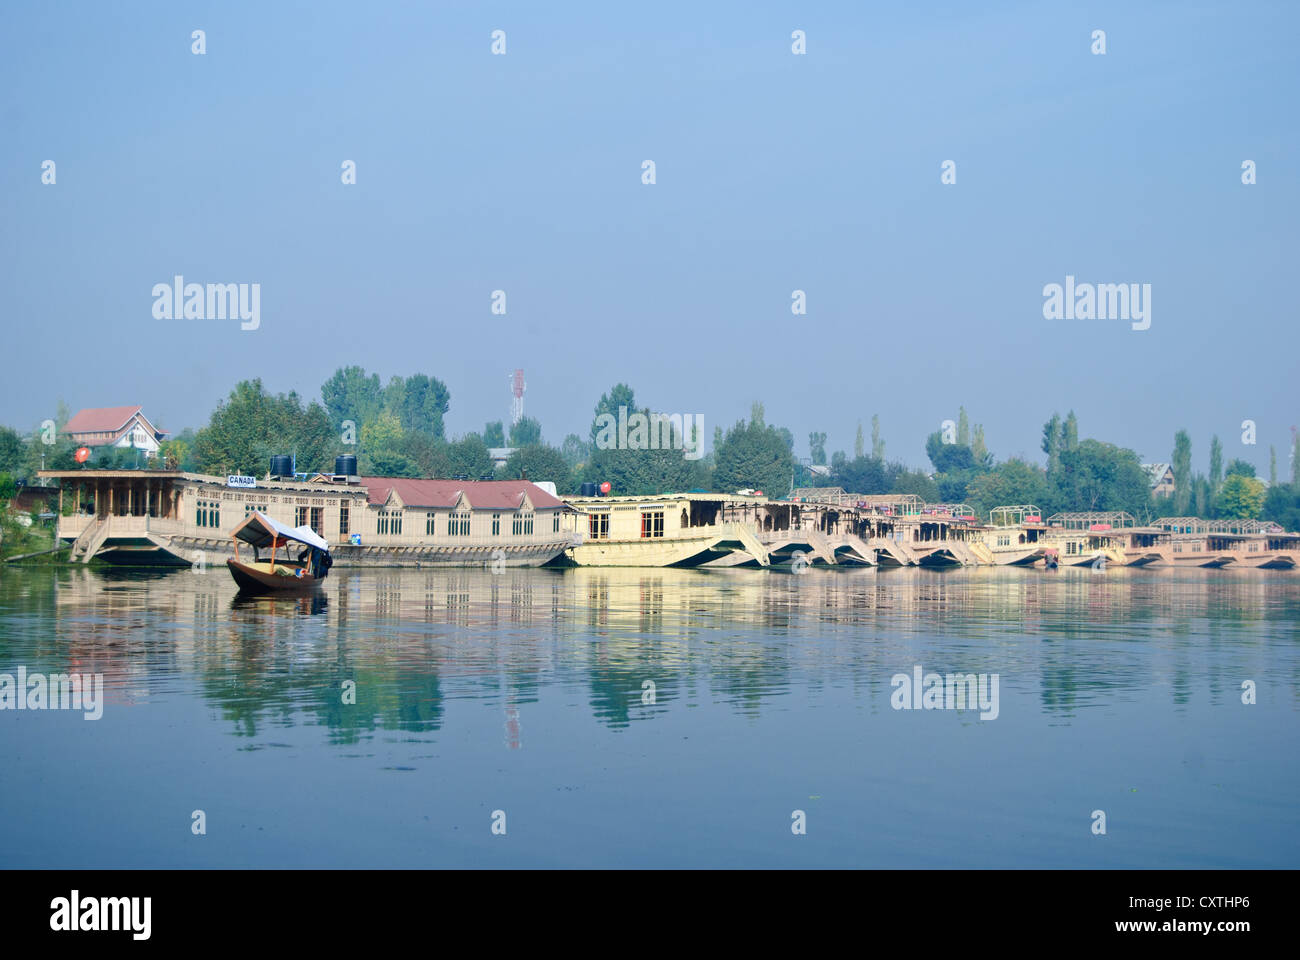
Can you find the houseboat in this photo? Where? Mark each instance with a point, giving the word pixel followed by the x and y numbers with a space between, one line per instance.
pixel 169 517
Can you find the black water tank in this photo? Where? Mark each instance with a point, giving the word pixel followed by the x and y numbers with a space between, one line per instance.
pixel 345 465
pixel 282 466
pixel 588 488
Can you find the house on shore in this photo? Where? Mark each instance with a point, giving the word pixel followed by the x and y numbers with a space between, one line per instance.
pixel 124 427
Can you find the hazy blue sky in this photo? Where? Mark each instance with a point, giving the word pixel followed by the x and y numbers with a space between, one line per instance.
pixel 775 172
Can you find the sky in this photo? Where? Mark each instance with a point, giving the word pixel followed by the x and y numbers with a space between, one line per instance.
pixel 774 172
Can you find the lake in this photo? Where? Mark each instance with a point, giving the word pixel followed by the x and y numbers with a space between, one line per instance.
pixel 657 718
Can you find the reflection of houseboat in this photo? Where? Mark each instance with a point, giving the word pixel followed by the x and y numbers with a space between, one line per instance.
pixel 170 517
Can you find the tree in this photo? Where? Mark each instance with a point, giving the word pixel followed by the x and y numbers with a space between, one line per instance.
pixel 1053 438
pixel 1182 472
pixel 352 395
pixel 861 475
pixel 1070 432
pixel 838 458
pixel 468 457
pixel 754 455
pixel 525 433
pixel 11 450
pixel 980 452
pixel 1272 465
pixel 1009 483
pixel 859 445
pixel 575 450
pixel 419 402
pixel 1100 476
pixel 817 448
pixel 877 443
pixel 963 428
pixel 620 395
pixel 1242 497
pixel 1216 464
pixel 251 425
pixel 1240 468
pixel 948 457
pixel 494 434
pixel 915 482
pixel 537 461
pixel 1282 505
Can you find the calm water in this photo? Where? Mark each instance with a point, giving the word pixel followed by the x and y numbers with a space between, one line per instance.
pixel 524 693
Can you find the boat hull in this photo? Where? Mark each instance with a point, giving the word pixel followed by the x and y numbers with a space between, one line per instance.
pixel 250 579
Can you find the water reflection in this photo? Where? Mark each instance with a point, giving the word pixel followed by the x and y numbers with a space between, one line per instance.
pixel 413 641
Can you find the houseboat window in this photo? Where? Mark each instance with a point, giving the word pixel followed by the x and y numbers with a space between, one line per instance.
pixel 652 524
pixel 299 516
pixel 496 524
pixel 430 519
pixel 395 523
pixel 458 524
pixel 382 526
pixel 343 521
pixel 555 523
pixel 528 524
pixel 464 524
pixel 599 526
pixel 318 518
pixel 517 525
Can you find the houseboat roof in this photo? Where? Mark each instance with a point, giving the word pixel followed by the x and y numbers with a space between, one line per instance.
pixel 481 494
pixel 663 497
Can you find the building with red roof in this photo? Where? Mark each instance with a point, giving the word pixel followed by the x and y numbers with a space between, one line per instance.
pixel 115 427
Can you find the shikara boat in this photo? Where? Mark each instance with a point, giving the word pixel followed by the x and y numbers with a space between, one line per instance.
pixel 304 564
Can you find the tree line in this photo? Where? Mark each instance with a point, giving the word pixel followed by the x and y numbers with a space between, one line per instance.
pixel 398 429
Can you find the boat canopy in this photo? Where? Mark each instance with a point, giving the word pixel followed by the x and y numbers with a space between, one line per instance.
pixel 260 530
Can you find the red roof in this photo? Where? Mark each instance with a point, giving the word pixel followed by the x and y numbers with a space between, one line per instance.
pixel 101 419
pixel 482 494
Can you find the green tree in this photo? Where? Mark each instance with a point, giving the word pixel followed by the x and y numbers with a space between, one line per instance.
pixel 1070 432
pixel 817 448
pixel 754 455
pixel 1242 497
pixel 527 432
pixel 494 434
pixel 420 402
pixel 963 428
pixel 536 462
pixel 979 451
pixel 1240 468
pixel 1282 506
pixel 1272 465
pixel 1100 476
pixel 859 444
pixel 252 424
pixel 916 482
pixel 620 395
pixel 12 449
pixel 1182 464
pixel 575 450
pixel 352 395
pixel 1053 440
pixel 1010 483
pixel 1216 464
pixel 861 475
pixel 877 442
pixel 469 457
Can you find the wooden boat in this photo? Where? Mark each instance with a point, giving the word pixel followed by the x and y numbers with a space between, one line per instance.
pixel 277 574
